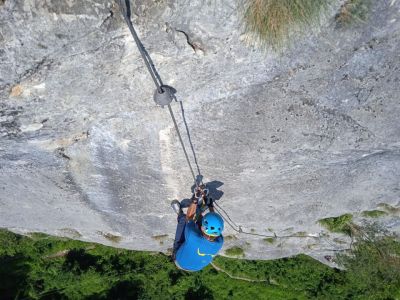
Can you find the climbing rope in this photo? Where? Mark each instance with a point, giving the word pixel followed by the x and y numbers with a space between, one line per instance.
pixel 183 145
pixel 239 229
pixel 126 12
pixel 124 4
pixel 190 141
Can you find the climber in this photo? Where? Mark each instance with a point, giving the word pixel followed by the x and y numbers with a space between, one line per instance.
pixel 198 238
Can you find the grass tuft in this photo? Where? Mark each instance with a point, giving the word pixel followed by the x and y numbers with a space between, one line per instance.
pixel 353 11
pixel 269 240
pixel 71 233
pixel 340 224
pixel 389 209
pixel 111 237
pixel 301 234
pixel 234 251
pixel 272 21
pixel 230 237
pixel 159 237
pixel 339 241
pixel 373 213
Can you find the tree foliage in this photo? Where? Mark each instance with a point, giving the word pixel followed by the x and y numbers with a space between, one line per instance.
pixel 45 267
pixel 373 264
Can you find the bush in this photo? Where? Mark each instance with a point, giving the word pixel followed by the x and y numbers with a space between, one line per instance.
pixel 373 264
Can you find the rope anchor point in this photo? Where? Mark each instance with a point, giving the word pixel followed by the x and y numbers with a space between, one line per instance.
pixel 165 97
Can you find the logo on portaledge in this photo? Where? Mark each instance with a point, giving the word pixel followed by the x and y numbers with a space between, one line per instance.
pixel 204 254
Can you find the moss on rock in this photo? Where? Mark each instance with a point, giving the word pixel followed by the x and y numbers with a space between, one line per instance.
pixel 340 224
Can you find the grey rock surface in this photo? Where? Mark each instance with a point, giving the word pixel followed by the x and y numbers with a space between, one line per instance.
pixel 294 137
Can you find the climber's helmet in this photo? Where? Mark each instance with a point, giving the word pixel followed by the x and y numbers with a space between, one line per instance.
pixel 212 224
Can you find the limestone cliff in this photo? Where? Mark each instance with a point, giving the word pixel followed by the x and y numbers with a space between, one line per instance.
pixel 289 138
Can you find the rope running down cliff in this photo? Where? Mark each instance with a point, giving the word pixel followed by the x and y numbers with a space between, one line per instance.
pixel 124 4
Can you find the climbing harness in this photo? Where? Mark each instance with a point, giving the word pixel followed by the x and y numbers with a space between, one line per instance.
pixel 202 197
pixel 163 94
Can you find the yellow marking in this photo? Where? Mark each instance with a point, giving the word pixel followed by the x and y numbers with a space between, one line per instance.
pixel 203 254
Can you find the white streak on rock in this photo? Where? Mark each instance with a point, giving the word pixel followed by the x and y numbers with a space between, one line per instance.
pixel 166 159
pixel 31 127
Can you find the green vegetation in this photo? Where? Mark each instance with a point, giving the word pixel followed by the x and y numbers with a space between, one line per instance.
pixel 52 268
pixel 300 234
pixel 46 267
pixel 159 237
pixel 339 224
pixel 389 209
pixel 373 213
pixel 269 240
pixel 353 11
pixel 71 232
pixel 111 237
pixel 230 237
pixel 374 262
pixel 312 246
pixel 272 21
pixel 339 241
pixel 234 251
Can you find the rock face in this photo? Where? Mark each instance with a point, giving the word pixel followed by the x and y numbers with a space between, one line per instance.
pixel 288 138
